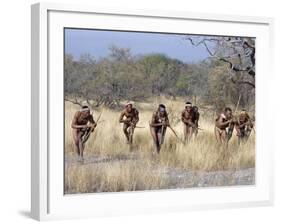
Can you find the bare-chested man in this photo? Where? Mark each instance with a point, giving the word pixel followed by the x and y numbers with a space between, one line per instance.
pixel 224 122
pixel 158 125
pixel 82 122
pixel 188 119
pixel 196 116
pixel 131 115
pixel 243 127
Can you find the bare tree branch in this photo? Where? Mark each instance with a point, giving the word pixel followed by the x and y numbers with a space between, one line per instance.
pixel 74 101
pixel 247 83
pixel 243 82
pixel 203 41
pixel 235 44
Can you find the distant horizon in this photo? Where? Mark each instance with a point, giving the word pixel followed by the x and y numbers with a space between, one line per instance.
pixel 77 58
pixel 96 43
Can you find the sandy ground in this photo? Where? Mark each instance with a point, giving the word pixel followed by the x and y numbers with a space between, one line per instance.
pixel 174 177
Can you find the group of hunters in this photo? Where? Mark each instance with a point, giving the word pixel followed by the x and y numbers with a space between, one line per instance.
pixel 83 124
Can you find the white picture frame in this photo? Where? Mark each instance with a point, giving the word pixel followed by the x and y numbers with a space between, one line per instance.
pixel 48 200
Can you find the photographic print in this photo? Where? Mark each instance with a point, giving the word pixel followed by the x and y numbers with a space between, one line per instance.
pixel 152 111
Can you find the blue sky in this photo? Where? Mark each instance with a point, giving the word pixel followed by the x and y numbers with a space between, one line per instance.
pixel 97 42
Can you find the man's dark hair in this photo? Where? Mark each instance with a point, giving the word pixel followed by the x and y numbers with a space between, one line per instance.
pixel 84 107
pixel 187 102
pixel 162 105
pixel 227 109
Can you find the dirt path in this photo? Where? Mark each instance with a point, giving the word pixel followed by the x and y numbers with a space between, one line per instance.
pixel 174 177
pixel 180 179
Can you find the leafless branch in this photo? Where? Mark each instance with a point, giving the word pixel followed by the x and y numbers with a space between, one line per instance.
pixel 208 49
pixel 247 83
pixel 74 101
pixel 243 82
pixel 248 49
pixel 203 41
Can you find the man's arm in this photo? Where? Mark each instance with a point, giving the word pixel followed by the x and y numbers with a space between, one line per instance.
pixel 183 117
pixel 237 128
pixel 152 123
pixel 241 125
pixel 167 122
pixel 197 119
pixel 221 123
pixel 186 121
pixel 136 118
pixel 189 122
pixel 249 122
pixel 121 117
pixel 74 124
pixel 92 121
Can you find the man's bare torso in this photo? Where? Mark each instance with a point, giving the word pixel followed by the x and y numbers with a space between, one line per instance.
pixel 130 116
pixel 222 119
pixel 187 116
pixel 81 119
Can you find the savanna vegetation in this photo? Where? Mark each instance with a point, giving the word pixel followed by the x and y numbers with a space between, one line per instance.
pixel 217 81
pixel 226 78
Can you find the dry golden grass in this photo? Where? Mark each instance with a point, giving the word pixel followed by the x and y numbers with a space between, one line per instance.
pixel 110 166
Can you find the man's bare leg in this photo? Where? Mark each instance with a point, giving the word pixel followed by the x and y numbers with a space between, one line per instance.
pixel 243 137
pixel 185 133
pixel 224 139
pixel 76 141
pixel 239 140
pixel 81 146
pixel 155 140
pixel 157 147
pixel 131 134
pixel 195 131
pixel 246 138
pixel 158 142
pixel 218 136
pixel 225 152
pixel 126 133
pixel 222 142
pixel 189 133
pixel 80 150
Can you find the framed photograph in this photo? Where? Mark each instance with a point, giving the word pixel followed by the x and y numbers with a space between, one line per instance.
pixel 148 111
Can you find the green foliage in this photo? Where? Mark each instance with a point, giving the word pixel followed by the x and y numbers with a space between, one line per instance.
pixel 182 84
pixel 122 76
